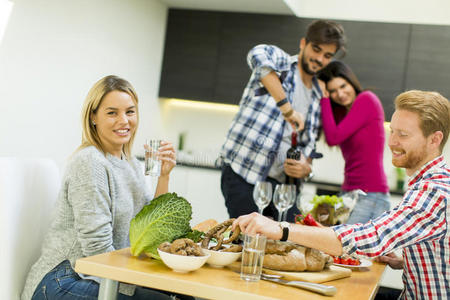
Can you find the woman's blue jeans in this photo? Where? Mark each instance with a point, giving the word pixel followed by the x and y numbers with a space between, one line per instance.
pixel 64 283
pixel 369 207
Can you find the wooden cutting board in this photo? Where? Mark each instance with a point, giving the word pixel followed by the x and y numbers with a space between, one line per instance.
pixel 331 273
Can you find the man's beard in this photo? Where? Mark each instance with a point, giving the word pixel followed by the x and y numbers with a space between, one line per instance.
pixel 305 66
pixel 410 160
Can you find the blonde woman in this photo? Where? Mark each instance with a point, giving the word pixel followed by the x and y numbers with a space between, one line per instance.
pixel 102 190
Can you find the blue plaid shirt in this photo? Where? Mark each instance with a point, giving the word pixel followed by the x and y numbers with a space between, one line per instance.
pixel 256 131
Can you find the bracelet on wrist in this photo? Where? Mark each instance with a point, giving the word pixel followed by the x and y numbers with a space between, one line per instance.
pixel 282 102
pixel 289 113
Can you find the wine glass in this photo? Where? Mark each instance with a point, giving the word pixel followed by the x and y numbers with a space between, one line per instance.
pixel 303 201
pixel 283 198
pixel 262 194
pixel 290 199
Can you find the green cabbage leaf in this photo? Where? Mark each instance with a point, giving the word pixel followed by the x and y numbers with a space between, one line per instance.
pixel 164 219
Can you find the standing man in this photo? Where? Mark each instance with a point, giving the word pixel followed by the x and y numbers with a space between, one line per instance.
pixel 419 224
pixel 283 95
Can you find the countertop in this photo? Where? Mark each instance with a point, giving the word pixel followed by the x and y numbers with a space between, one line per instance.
pixel 205 162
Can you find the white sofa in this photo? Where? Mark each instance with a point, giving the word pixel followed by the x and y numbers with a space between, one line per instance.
pixel 28 191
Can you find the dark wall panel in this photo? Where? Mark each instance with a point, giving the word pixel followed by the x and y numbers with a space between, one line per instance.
pixel 190 54
pixel 240 33
pixel 429 59
pixel 377 54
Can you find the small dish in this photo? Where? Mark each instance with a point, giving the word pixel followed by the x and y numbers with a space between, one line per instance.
pixel 365 263
pixel 181 263
pixel 219 259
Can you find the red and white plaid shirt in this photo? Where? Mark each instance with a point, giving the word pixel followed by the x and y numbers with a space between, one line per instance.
pixel 420 226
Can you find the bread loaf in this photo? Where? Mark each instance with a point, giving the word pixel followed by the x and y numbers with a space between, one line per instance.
pixel 286 256
pixel 205 225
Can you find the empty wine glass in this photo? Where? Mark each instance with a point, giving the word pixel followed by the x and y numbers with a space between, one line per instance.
pixel 283 198
pixel 262 194
pixel 290 201
pixel 303 201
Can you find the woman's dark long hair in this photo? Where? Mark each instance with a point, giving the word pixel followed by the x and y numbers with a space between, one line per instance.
pixel 339 69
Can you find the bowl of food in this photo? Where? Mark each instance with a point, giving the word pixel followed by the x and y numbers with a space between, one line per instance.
pixel 182 255
pixel 218 243
pixel 224 257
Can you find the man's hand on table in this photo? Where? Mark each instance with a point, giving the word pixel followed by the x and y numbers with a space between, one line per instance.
pixel 392 260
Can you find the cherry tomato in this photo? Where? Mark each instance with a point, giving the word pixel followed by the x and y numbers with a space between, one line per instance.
pixel 345 261
pixel 337 259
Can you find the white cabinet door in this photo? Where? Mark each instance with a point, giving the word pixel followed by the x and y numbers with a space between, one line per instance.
pixel 201 187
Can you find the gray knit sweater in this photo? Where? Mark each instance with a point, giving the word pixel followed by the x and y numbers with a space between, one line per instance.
pixel 98 198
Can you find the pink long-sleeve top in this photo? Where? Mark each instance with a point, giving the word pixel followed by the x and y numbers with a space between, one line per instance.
pixel 360 135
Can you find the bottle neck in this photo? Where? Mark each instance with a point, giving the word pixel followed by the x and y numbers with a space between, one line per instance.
pixel 294 139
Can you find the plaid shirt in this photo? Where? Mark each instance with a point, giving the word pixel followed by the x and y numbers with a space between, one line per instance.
pixel 256 131
pixel 420 226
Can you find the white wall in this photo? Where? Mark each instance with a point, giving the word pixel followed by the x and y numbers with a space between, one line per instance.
pixel 53 51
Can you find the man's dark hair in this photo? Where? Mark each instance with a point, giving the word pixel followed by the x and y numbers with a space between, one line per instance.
pixel 326 32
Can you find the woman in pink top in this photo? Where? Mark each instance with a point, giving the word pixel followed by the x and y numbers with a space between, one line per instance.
pixel 353 119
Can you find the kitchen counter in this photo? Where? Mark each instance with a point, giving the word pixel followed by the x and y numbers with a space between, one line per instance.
pixel 320 184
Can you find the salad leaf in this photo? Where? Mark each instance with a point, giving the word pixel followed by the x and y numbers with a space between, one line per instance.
pixel 163 220
pixel 326 199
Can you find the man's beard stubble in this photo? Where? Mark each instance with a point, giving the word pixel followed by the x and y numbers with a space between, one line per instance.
pixel 411 159
pixel 305 66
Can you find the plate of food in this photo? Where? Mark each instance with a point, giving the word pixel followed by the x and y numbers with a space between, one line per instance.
pixel 351 262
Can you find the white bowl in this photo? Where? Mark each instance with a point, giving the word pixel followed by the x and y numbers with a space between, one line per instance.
pixel 181 263
pixel 219 259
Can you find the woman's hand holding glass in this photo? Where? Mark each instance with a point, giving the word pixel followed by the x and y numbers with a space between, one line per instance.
pixel 167 155
pixel 160 158
pixel 262 195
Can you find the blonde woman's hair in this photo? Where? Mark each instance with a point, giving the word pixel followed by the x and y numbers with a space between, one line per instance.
pixel 432 108
pixel 93 100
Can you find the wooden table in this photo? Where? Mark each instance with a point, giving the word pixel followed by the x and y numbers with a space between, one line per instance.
pixel 211 283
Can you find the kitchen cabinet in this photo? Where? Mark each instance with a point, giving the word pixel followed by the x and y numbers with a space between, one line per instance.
pixel 377 54
pixel 429 59
pixel 239 34
pixel 190 55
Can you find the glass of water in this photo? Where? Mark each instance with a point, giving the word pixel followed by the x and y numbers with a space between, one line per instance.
pixel 252 257
pixel 262 194
pixel 152 161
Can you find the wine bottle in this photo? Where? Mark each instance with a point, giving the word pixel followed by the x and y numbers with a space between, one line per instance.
pixel 294 153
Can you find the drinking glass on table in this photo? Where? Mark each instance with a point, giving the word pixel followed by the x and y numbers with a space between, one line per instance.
pixel 252 257
pixel 262 194
pixel 152 160
pixel 283 198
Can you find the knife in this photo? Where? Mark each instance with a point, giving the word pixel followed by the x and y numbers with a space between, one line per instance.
pixel 327 290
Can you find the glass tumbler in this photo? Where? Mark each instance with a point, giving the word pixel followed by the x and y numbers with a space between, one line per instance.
pixel 152 161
